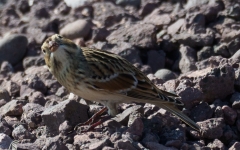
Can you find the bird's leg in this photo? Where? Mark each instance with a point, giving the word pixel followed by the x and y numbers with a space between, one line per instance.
pixel 91 121
pixel 112 110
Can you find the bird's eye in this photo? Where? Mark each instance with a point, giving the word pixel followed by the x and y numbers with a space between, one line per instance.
pixel 44 51
pixel 59 36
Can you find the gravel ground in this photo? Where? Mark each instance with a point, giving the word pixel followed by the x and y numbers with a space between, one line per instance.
pixel 187 47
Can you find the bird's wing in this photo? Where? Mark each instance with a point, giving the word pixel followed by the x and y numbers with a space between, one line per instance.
pixel 112 73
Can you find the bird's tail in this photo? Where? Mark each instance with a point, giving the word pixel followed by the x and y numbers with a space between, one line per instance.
pixel 172 109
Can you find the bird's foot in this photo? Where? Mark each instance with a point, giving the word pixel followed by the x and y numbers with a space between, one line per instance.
pixel 94 121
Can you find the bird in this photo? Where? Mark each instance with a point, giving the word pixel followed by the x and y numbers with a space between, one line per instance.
pixel 105 77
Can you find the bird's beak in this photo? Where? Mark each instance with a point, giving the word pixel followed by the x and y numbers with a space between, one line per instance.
pixel 53 46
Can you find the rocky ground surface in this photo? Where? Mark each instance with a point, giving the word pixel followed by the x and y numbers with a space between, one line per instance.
pixel 187 47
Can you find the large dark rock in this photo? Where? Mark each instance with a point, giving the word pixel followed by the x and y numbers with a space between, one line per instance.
pixel 13 48
pixel 69 110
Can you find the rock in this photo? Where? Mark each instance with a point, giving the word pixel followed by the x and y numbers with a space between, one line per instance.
pixel 38 98
pixel 212 10
pixel 154 145
pixel 194 40
pixel 83 141
pixel 212 62
pixel 62 9
pixel 4 97
pixel 238 124
pixel 195 23
pixel 187 59
pixel 40 11
pixel 77 3
pixel 156 59
pixel 201 112
pixel 230 35
pixel 23 6
pixel 146 69
pixel 6 68
pixel 235 100
pixel 228 134
pixel 52 100
pixel 190 96
pixel 34 82
pixel 26 92
pixel 136 129
pixel 54 143
pixel 20 133
pixel 218 112
pixel 18 77
pixel 139 35
pixel 12 108
pixel 52 86
pixel 124 144
pixel 65 127
pixel 165 74
pixel 108 148
pixel 194 3
pixel 100 34
pixel 4 128
pixel 127 51
pixel 33 61
pixel 62 91
pixel 5 141
pixel 196 144
pixel 12 88
pixel 135 3
pixel 25 145
pixel 230 114
pixel 222 50
pixel 157 18
pixel 13 48
pixel 148 7
pixel 161 120
pixel 12 121
pixel 150 137
pixel 175 27
pixel 237 80
pixel 36 70
pixel 169 135
pixel 71 146
pixel 212 82
pixel 171 85
pixel 235 58
pixel 154 79
pixel 32 114
pixel 124 116
pixel 113 13
pixel 234 11
pixel 233 46
pixel 99 145
pixel 76 29
pixel 204 53
pixel 235 146
pixel 115 137
pixel 216 144
pixel 69 110
pixel 133 117
pixel 212 128
pixel 174 143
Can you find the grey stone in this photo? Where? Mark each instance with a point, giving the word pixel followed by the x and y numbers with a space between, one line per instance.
pixel 5 141
pixel 77 29
pixel 165 74
pixel 13 48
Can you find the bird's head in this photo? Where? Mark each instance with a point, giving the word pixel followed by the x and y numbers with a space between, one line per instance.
pixel 57 51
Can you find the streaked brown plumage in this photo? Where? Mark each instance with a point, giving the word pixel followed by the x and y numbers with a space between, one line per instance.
pixel 104 77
